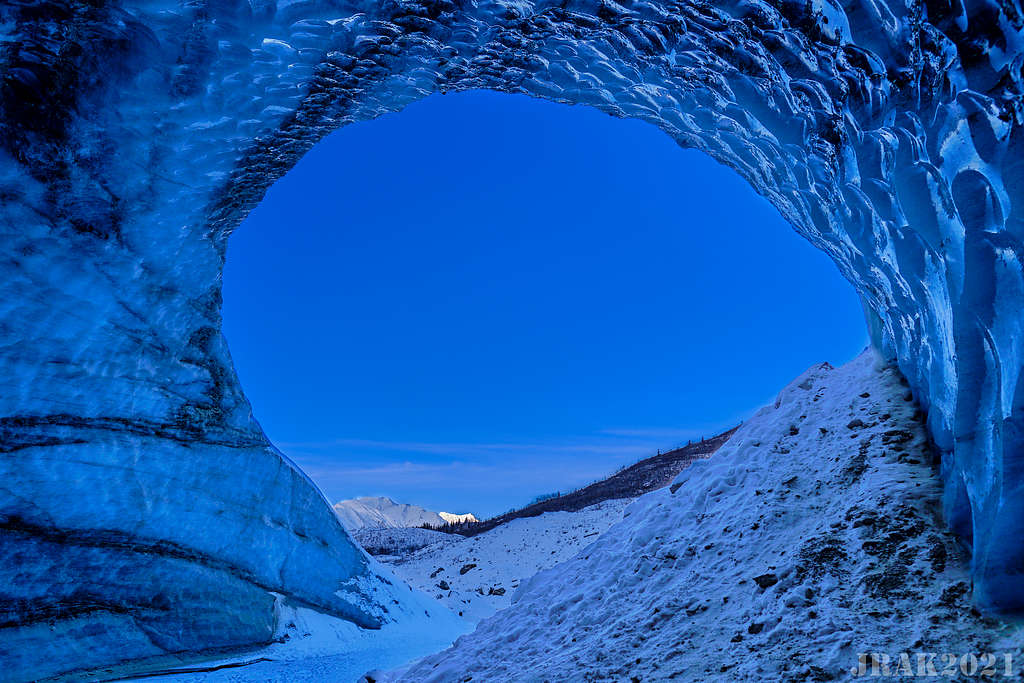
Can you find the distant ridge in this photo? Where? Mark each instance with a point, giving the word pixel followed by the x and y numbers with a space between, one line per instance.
pixel 648 475
pixel 383 513
pixel 457 519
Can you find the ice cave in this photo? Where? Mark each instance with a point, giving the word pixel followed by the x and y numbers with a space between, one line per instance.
pixel 137 135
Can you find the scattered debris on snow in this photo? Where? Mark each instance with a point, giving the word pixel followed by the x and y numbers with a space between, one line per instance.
pixel 476 576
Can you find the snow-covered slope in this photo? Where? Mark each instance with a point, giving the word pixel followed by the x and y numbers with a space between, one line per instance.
pixel 633 481
pixel 813 535
pixel 476 576
pixel 381 512
pixel 390 544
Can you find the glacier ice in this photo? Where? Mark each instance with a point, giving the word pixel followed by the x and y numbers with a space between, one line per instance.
pixel 141 503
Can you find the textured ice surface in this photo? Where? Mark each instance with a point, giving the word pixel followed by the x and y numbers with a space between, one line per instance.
pixel 135 135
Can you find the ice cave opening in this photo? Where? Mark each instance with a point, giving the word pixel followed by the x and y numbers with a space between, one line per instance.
pixel 135 137
pixel 453 306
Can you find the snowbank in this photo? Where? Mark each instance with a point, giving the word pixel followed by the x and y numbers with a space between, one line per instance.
pixel 312 646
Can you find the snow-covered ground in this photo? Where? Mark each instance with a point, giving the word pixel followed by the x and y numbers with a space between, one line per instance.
pixel 812 536
pixel 314 647
pixel 477 576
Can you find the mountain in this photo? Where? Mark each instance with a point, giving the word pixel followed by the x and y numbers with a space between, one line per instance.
pixel 381 512
pixel 458 519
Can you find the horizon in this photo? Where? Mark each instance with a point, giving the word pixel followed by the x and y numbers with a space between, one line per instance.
pixel 551 494
pixel 429 336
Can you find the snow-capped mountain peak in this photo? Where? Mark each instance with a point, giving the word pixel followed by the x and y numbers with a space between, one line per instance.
pixel 453 518
pixel 382 512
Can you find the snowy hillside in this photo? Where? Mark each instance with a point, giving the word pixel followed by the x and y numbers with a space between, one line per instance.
pixel 630 482
pixel 477 576
pixel 393 543
pixel 811 536
pixel 381 512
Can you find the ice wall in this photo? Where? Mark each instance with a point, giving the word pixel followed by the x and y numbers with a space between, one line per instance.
pixel 135 136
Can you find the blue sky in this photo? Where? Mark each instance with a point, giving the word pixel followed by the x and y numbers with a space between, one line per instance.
pixel 487 297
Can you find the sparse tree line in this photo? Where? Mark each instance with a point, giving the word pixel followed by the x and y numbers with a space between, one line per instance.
pixel 472 528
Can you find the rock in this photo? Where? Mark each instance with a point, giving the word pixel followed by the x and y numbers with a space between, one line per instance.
pixel 466 568
pixel 766 580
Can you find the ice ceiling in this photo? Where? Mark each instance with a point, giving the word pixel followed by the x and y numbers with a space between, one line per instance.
pixel 138 496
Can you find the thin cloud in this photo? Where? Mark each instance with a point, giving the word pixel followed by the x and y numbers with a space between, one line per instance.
pixel 657 433
pixel 456 479
pixel 616 447
pixel 421 470
pixel 398 469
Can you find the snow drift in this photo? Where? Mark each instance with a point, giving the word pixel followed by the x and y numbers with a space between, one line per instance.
pixel 135 136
